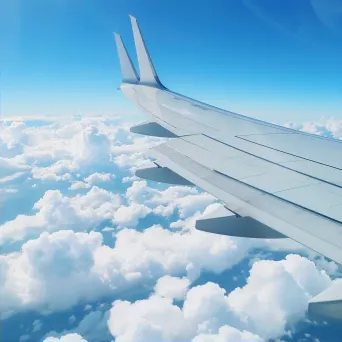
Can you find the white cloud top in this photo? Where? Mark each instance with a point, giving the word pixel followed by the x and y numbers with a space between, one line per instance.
pixel 80 174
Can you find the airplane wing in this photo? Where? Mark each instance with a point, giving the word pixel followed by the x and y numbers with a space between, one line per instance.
pixel 273 181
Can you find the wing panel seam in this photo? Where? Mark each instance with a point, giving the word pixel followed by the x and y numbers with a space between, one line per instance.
pixel 311 212
pixel 280 198
pixel 274 163
pixel 291 154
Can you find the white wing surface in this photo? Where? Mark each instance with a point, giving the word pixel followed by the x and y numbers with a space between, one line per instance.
pixel 273 181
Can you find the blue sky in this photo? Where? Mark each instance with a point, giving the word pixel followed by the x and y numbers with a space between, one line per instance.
pixel 275 60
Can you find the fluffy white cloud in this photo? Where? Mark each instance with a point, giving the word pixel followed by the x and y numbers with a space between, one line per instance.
pixel 326 127
pixel 155 319
pixel 133 161
pixel 12 137
pixel 276 291
pixel 95 178
pixel 55 151
pixel 137 144
pixel 58 270
pixel 172 287
pixel 132 153
pixel 79 185
pixel 187 200
pixel 58 212
pixel 99 178
pixel 66 338
pixel 130 215
pixel 227 333
pixel 51 273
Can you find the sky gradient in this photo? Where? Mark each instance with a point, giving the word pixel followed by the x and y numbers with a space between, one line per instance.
pixel 88 248
pixel 276 60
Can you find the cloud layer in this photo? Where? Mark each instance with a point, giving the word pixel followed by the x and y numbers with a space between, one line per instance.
pixel 82 229
pixel 276 291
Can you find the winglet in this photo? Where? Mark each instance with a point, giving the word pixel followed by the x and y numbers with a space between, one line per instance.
pixel 129 75
pixel 148 74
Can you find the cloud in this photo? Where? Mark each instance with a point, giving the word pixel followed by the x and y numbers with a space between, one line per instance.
pixel 331 128
pixel 130 215
pixel 56 271
pixel 37 325
pixel 66 338
pixel 276 291
pixel 79 185
pixel 96 178
pixel 227 333
pixel 186 200
pixel 99 178
pixel 57 212
pixel 11 139
pixel 10 166
pixel 51 273
pixel 172 287
pixel 155 319
pixel 58 264
pixel 56 151
pixel 93 327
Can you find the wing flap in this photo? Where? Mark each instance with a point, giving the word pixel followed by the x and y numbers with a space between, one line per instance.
pixel 162 175
pixel 152 129
pixel 328 302
pixel 309 228
pixel 223 221
pixel 290 185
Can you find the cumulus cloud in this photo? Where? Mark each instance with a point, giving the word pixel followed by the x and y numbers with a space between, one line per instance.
pixel 54 152
pixel 130 215
pixel 57 212
pixel 172 287
pixel 99 178
pixel 276 291
pixel 79 185
pixel 66 338
pixel 96 178
pixel 59 270
pixel 62 266
pixel 227 333
pixel 331 128
pixel 12 137
pixel 186 200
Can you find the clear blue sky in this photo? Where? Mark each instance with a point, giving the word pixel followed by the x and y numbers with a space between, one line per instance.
pixel 272 59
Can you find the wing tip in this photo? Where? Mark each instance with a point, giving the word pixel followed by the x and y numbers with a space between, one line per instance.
pixel 148 75
pixel 132 18
pixel 129 74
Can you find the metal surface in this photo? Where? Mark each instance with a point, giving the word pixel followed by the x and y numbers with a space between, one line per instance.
pixel 278 181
